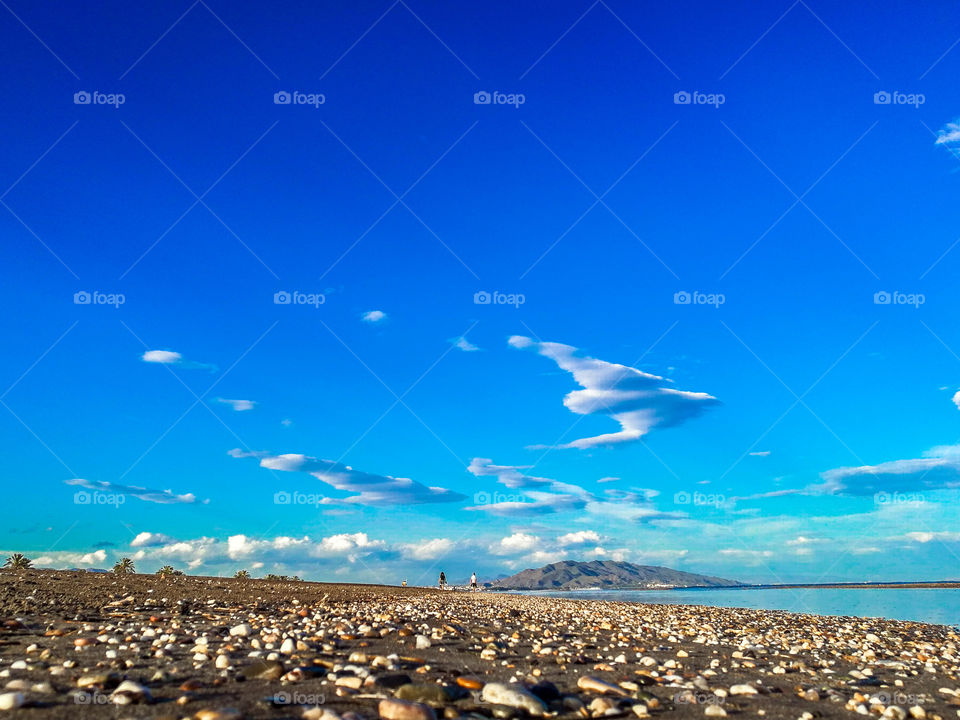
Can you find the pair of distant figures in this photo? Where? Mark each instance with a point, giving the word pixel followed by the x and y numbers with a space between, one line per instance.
pixel 442 583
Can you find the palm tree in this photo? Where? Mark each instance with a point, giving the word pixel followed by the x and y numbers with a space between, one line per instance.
pixel 18 561
pixel 166 571
pixel 242 575
pixel 124 566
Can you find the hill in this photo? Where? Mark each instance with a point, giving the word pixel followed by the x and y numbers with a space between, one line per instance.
pixel 604 574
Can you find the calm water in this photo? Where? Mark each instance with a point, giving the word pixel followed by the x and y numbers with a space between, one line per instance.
pixel 934 605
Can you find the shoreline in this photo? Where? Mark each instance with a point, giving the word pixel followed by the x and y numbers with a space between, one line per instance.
pixel 272 649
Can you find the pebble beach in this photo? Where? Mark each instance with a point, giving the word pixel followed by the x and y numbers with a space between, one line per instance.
pixel 79 644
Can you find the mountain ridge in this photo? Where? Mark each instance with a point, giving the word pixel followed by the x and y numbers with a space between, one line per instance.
pixel 605 574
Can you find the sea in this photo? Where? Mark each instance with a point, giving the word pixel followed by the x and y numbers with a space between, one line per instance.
pixel 940 606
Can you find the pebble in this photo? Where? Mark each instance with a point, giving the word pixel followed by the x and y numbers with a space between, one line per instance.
pixel 391 709
pixel 743 690
pixel 241 630
pixel 11 700
pixel 714 710
pixel 423 642
pixel 514 697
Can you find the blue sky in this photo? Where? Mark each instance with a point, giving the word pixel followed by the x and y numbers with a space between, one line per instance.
pixel 720 334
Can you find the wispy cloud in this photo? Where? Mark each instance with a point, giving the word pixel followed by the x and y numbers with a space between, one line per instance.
pixel 637 400
pixel 164 497
pixel 238 405
pixel 170 357
pixel 370 489
pixel 938 469
pixel 374 317
pixel 461 343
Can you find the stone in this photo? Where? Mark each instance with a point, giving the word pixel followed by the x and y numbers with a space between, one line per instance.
pixel 469 682
pixel 241 630
pixel 221 714
pixel 423 642
pixel 11 700
pixel 264 670
pixel 392 709
pixel 500 694
pixel 714 710
pixel 129 692
pixel 743 690
pixel 424 693
pixel 593 684
pixel 223 662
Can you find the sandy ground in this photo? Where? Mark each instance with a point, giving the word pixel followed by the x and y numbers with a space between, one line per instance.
pixel 277 649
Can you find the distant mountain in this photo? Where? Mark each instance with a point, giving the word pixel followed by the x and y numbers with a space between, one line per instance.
pixel 604 574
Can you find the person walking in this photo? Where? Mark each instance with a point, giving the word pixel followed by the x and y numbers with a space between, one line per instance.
pixel 473 581
pixel 443 580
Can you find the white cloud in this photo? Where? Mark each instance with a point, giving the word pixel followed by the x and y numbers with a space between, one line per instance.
pixel 519 542
pixel 949 134
pixel 165 357
pixel 61 560
pixel 637 400
pixel 747 554
pixel 760 453
pixel 169 357
pixel 370 489
pixel 925 537
pixel 164 497
pixel 427 549
pixel 938 469
pixel 579 538
pixel 461 343
pixel 238 405
pixel 149 539
pixel 956 399
pixel 374 316
pixel 607 479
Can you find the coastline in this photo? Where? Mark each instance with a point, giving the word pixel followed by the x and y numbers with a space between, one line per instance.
pixel 277 649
